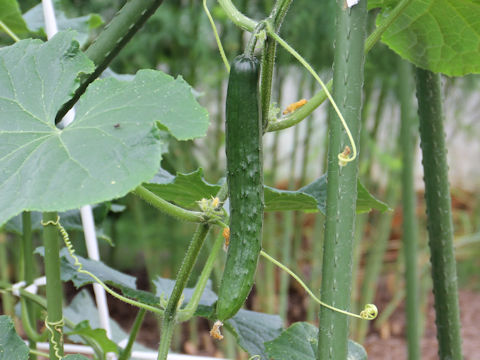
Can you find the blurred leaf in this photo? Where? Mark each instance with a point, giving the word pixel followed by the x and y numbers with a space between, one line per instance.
pixel 111 147
pixel 83 308
pixel 11 16
pixel 97 335
pixel 283 200
pixel 105 273
pixel 82 25
pixel 365 201
pixel 300 342
pixel 164 287
pixel 12 346
pixel 71 220
pixel 438 35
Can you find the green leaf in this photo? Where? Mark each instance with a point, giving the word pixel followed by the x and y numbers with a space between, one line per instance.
pixel 438 35
pixel 98 335
pixel 83 308
pixel 300 342
pixel 282 200
pixel 186 189
pixel 253 329
pixel 69 272
pixel 82 25
pixel 164 287
pixel 111 147
pixel 367 202
pixel 11 16
pixel 12 346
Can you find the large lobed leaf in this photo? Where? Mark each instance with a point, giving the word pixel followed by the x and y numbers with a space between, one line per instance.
pixel 438 35
pixel 111 147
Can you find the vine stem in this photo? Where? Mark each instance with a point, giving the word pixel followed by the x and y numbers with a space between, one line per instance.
pixel 341 157
pixel 9 32
pixel 236 16
pixel 268 59
pixel 217 38
pixel 317 99
pixel 169 317
pixel 168 208
pixel 127 21
pixel 80 269
pixel 133 334
pixel 369 313
pixel 385 24
pixel 187 313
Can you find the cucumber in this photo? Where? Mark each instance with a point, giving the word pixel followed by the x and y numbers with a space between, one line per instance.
pixel 243 132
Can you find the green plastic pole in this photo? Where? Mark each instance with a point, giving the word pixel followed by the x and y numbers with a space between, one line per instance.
pixel 410 237
pixel 29 271
pixel 439 215
pixel 54 320
pixel 342 181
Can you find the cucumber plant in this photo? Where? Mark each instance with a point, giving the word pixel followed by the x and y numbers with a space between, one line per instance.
pixel 114 147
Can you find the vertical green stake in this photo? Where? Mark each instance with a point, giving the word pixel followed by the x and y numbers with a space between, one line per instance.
pixel 410 238
pixel 342 181
pixel 439 215
pixel 54 285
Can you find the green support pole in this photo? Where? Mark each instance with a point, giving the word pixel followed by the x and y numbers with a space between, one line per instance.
pixel 410 237
pixel 342 181
pixel 54 320
pixel 439 215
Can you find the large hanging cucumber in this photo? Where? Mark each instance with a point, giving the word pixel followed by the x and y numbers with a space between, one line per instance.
pixel 245 183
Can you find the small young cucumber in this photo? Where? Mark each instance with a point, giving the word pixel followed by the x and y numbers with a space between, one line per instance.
pixel 245 183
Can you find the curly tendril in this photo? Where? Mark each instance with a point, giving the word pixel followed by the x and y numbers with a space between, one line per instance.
pixel 55 326
pixel 370 311
pixel 79 265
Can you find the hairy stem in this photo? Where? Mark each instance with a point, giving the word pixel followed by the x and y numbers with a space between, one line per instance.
pixel 169 317
pixel 168 208
pixel 187 313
